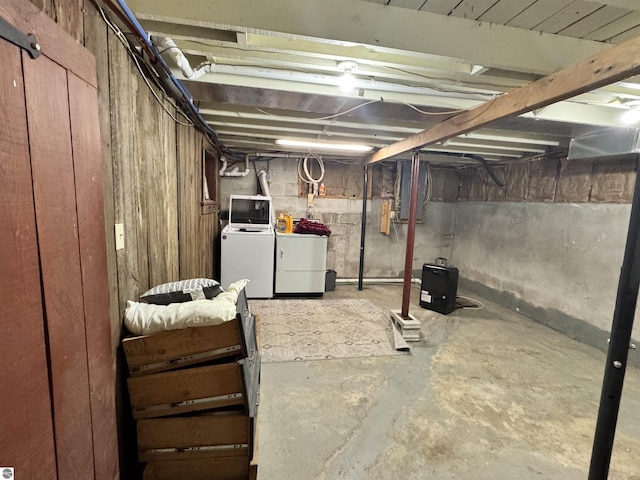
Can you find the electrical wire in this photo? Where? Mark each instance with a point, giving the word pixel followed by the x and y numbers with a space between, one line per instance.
pixel 447 112
pixel 492 86
pixel 396 194
pixel 123 39
pixel 478 304
pixel 169 83
pixel 428 194
pixel 480 159
pixel 487 168
pixel 307 178
pixel 339 114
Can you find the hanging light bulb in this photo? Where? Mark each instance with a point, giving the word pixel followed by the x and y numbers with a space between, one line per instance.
pixel 347 82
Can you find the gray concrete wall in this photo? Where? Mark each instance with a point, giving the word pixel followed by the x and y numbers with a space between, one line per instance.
pixel 554 261
pixel 384 254
pixel 557 262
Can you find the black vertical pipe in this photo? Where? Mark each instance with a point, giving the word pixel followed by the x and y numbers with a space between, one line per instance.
pixel 621 327
pixel 363 228
pixel 411 233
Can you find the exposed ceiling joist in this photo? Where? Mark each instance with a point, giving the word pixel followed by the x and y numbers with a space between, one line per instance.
pixel 615 64
pixel 276 68
pixel 287 81
pixel 376 26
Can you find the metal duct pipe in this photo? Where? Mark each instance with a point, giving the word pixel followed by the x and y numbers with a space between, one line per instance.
pixel 263 180
pixel 264 184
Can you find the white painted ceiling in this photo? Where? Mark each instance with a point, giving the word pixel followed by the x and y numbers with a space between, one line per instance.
pixel 419 62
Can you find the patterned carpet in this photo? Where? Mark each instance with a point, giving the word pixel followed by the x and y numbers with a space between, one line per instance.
pixel 319 329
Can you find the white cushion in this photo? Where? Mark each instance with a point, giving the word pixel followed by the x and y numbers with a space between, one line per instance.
pixel 145 319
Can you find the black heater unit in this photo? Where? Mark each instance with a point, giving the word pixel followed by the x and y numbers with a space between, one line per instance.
pixel 439 288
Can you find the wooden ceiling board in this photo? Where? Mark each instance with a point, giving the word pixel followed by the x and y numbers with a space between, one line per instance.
pixel 568 16
pixel 594 21
pixel 442 7
pixel 505 10
pixel 634 32
pixel 472 9
pixel 538 13
pixel 411 4
pixel 611 30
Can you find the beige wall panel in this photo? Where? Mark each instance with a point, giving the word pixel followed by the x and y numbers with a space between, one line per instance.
pixel 517 182
pixel 495 193
pixel 543 179
pixel 451 184
pixel 478 188
pixel 574 181
pixel 466 177
pixel 614 181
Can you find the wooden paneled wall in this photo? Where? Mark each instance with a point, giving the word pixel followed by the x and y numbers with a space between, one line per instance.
pixel 152 171
pixel 196 256
pixel 152 174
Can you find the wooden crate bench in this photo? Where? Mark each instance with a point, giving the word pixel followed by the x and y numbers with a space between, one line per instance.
pixel 227 434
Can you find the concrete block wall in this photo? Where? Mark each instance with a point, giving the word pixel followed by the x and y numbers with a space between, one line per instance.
pixel 384 254
pixel 549 243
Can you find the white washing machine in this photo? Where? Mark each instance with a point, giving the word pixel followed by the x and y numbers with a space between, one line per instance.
pixel 248 254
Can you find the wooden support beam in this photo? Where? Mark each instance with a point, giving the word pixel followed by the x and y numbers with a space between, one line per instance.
pixel 604 68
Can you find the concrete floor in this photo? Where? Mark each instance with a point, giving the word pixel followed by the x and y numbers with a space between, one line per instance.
pixel 487 394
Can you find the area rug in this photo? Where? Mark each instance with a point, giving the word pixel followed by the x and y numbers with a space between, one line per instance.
pixel 319 329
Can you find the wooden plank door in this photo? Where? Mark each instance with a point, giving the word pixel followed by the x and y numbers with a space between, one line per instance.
pixel 26 432
pixel 62 417
pixel 56 218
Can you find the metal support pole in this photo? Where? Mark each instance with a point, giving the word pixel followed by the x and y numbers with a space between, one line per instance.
pixel 621 327
pixel 363 228
pixel 411 233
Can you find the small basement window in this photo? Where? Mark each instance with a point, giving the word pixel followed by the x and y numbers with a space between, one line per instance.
pixel 209 182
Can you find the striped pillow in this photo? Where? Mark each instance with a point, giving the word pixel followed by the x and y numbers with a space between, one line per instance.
pixel 182 291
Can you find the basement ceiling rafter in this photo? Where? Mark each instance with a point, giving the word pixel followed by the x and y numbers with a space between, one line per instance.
pixel 420 63
pixel 357 22
pixel 601 69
